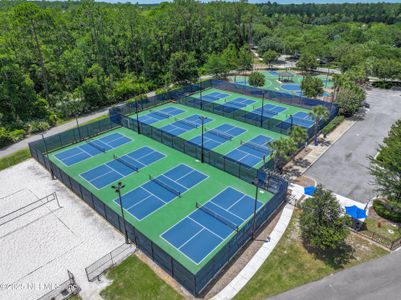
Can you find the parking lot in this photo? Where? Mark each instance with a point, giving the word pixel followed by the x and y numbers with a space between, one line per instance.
pixel 344 167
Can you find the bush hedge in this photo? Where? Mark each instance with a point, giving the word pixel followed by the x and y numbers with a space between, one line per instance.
pixel 332 125
pixel 385 212
pixel 385 84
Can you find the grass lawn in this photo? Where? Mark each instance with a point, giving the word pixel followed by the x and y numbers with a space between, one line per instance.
pixel 133 279
pixel 291 265
pixel 385 229
pixel 14 158
pixel 96 119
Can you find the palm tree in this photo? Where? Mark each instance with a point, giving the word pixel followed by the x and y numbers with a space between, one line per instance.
pixel 281 151
pixel 317 114
pixel 299 135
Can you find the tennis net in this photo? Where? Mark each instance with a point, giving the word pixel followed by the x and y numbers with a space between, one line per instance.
pixel 186 122
pixel 265 111
pixel 255 146
pixel 164 185
pixel 217 216
pixel 94 145
pixel 220 134
pixel 268 112
pixel 126 163
pixel 160 113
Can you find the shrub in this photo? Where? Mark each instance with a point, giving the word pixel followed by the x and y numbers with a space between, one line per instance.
pixel 17 135
pixel 38 126
pixel 383 84
pixel 5 137
pixel 52 118
pixel 257 79
pixel 386 212
pixel 332 125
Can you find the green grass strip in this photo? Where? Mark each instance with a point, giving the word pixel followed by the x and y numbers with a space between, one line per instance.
pixel 133 279
pixel 14 158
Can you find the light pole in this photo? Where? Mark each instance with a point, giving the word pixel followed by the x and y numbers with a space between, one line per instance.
pixel 202 140
pixel 200 87
pixel 254 208
pixel 263 105
pixel 137 117
pixel 79 129
pixel 117 188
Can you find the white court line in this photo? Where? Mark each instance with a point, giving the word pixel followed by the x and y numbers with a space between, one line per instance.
pixel 208 229
pixel 192 237
pixel 150 195
pixel 101 175
pixel 227 209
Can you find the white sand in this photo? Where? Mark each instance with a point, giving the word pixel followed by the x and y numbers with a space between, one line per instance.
pixel 37 249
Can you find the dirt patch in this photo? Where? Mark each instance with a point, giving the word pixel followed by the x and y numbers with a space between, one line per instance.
pixel 304 181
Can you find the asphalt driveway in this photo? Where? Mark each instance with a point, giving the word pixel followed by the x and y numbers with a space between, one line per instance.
pixel 377 279
pixel 344 167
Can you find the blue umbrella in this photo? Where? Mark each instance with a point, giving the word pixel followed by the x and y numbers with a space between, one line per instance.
pixel 309 190
pixel 355 212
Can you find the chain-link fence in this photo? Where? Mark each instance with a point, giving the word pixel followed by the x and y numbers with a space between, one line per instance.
pixel 185 96
pixel 64 290
pixel 210 157
pixel 194 283
pixel 108 261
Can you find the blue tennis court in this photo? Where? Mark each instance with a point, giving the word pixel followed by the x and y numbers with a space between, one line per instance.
pixel 116 169
pixel 92 148
pixel 251 152
pixel 214 96
pixel 302 119
pixel 213 138
pixel 291 87
pixel 159 191
pixel 269 110
pixel 240 102
pixel 235 104
pixel 160 115
pixel 181 126
pixel 207 227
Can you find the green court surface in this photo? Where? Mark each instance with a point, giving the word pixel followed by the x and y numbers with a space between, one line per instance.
pixel 272 82
pixel 172 212
pixel 214 122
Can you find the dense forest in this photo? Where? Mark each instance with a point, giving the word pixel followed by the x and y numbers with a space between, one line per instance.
pixel 59 59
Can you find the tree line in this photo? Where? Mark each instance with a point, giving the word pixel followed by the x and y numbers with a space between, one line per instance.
pixel 60 59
